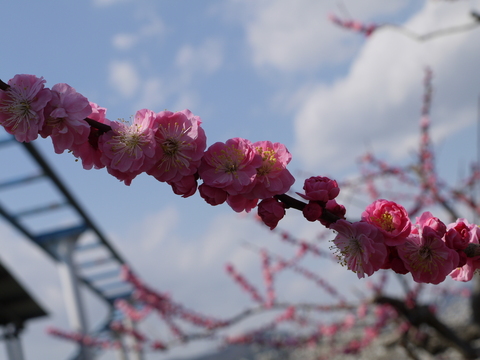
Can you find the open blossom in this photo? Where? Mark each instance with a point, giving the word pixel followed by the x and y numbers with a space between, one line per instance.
pixel 424 252
pixel 320 188
pixel 22 105
pixel 360 246
pixel 272 178
pixel 88 151
pixel 64 118
pixel 180 145
pixel 390 218
pixel 231 166
pixel 128 150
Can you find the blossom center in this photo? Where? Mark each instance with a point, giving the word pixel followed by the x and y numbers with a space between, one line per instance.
pixel 173 145
pixel 19 108
pixel 269 161
pixel 129 140
pixel 229 160
pixel 385 221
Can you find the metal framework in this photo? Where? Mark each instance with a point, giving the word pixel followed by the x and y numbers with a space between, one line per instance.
pixel 69 236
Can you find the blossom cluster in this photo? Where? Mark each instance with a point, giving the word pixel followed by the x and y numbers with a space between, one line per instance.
pixel 170 146
pixel 385 238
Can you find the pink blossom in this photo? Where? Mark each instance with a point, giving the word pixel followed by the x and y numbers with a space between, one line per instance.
pixel 186 186
pixel 88 151
pixel 390 218
pixel 319 188
pixel 64 118
pixel 360 247
pixel 128 150
pixel 272 178
pixel 231 166
pixel 180 145
pixel 22 105
pixel 427 219
pixel 458 236
pixel 240 203
pixel 335 209
pixel 394 262
pixel 312 211
pixel 211 195
pixel 271 211
pixel 425 254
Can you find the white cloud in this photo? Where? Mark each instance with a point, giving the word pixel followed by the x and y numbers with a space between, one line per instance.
pixel 105 3
pixel 206 58
pixel 379 101
pixel 296 35
pixel 152 28
pixel 124 78
pixel 124 41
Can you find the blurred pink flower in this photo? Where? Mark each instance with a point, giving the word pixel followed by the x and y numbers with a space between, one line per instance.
pixel 360 247
pixel 22 105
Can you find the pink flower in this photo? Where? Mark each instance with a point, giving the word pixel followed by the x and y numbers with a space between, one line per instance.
pixel 65 114
pixel 271 211
pixel 390 218
pixel 211 195
pixel 272 178
pixel 427 219
pixel 180 145
pixel 240 203
pixel 312 211
pixel 186 186
pixel 336 209
pixel 22 105
pixel 394 262
pixel 89 151
pixel 129 149
pixel 231 166
pixel 458 236
pixel 319 188
pixel 360 247
pixel 425 254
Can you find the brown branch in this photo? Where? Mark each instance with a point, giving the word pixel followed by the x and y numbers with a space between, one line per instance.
pixel 4 86
pixel 421 314
pixel 103 128
pixel 293 203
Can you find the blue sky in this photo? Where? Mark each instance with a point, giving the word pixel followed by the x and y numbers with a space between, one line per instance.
pixel 259 69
